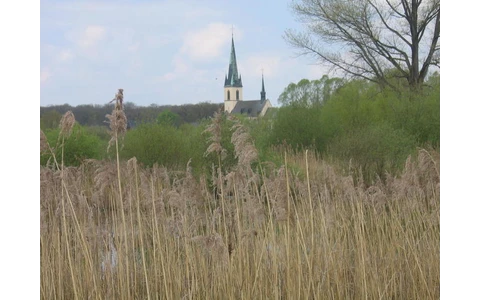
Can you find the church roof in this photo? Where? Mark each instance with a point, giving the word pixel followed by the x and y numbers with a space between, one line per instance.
pixel 251 108
pixel 233 79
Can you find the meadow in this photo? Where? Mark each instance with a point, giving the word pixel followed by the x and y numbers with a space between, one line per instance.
pixel 300 228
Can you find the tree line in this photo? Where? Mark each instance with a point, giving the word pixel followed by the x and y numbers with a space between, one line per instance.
pixel 94 115
pixel 352 122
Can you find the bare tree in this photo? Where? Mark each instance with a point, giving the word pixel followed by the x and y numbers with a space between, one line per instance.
pixel 378 40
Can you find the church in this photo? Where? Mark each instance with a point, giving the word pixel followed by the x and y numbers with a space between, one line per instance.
pixel 233 93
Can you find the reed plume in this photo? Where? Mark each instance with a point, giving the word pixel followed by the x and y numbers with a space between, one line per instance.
pixel 66 124
pixel 44 145
pixel 117 120
pixel 215 138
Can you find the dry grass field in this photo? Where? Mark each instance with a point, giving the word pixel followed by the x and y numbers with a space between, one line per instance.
pixel 303 230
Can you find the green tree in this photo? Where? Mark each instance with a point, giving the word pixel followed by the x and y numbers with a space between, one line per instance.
pixel 298 127
pixel 352 106
pixel 366 38
pixel 167 117
pixel 416 113
pixel 308 93
pixel 434 80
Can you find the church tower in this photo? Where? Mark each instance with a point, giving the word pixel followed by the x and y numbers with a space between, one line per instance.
pixel 233 88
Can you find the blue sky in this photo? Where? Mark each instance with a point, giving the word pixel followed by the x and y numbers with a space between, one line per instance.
pixel 164 52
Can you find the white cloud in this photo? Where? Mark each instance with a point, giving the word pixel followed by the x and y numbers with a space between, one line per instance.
pixel 200 45
pixel 180 67
pixel 209 42
pixel 91 36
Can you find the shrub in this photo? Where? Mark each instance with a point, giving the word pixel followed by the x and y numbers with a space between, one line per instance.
pixel 298 127
pixel 80 145
pixel 419 115
pixel 373 149
pixel 164 144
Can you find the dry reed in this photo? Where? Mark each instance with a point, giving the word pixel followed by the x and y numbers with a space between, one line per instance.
pixel 311 233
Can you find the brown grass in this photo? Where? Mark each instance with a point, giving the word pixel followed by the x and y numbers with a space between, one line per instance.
pixel 113 230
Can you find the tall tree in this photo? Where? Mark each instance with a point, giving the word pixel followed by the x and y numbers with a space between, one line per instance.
pixel 369 38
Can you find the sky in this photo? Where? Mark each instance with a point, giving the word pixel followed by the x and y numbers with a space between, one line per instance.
pixel 168 52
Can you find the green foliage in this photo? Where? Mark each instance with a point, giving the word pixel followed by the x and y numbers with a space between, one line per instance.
pixel 362 124
pixel 260 131
pixel 418 114
pixel 374 149
pixel 433 81
pixel 308 93
pixel 165 145
pixel 195 146
pixel 298 127
pixel 350 107
pixel 354 122
pixel 50 120
pixel 100 131
pixel 168 118
pixel 80 145
pixel 359 104
pixel 94 115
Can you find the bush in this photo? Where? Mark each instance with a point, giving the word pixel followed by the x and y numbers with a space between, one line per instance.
pixel 417 114
pixel 80 145
pixel 352 106
pixel 374 149
pixel 166 145
pixel 298 127
pixel 375 128
pixel 260 130
pixel 100 131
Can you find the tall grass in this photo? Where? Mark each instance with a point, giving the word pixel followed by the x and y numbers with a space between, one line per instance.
pixel 300 231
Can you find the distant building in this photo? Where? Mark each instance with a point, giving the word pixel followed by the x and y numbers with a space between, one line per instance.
pixel 233 93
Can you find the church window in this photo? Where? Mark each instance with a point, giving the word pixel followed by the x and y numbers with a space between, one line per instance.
pixel 228 95
pixel 237 95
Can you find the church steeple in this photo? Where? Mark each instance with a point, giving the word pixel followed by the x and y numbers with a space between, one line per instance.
pixel 262 93
pixel 233 79
pixel 233 88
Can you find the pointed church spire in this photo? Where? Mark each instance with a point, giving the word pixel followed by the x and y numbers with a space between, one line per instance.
pixel 262 93
pixel 233 80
